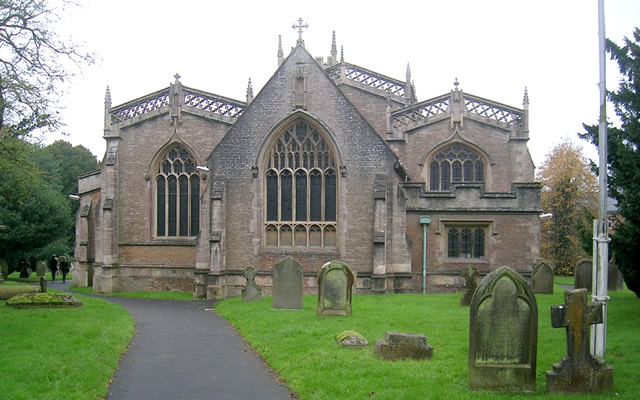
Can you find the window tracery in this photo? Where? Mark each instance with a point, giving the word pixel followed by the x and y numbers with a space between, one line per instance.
pixel 300 189
pixel 455 164
pixel 177 197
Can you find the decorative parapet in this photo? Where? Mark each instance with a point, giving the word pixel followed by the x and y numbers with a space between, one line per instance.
pixel 421 111
pixel 363 78
pixel 475 107
pixel 509 117
pixel 192 98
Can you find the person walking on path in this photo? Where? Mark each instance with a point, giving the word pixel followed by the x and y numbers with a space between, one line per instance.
pixel 64 268
pixel 53 266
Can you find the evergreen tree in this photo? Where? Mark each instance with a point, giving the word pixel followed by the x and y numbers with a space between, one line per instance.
pixel 624 160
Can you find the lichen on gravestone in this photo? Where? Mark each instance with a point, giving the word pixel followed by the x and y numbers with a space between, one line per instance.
pixel 351 339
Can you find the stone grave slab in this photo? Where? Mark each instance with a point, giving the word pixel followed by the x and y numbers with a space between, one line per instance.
pixel 583 274
pixel 287 284
pixel 251 291
pixel 401 346
pixel 503 334
pixel 41 268
pixel 542 278
pixel 579 371
pixel 470 275
pixel 335 286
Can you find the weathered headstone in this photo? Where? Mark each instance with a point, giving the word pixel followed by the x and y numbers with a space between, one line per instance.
pixel 335 285
pixel 287 284
pixel 251 291
pixel 615 278
pixel 41 268
pixel 578 372
pixel 503 334
pixel 400 346
pixel 583 274
pixel 43 284
pixel 470 275
pixel 542 278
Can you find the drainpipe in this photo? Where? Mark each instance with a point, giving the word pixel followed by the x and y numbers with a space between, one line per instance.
pixel 425 220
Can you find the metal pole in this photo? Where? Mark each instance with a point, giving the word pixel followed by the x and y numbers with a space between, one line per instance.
pixel 600 280
pixel 424 220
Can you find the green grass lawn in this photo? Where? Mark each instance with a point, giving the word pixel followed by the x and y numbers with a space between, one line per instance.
pixel 301 346
pixel 62 353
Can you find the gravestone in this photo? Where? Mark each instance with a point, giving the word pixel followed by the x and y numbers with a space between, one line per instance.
pixel 352 339
pixel 579 371
pixel 470 275
pixel 503 334
pixel 43 284
pixel 287 284
pixel 615 278
pixel 335 285
pixel 542 278
pixel 583 274
pixel 251 291
pixel 402 346
pixel 41 268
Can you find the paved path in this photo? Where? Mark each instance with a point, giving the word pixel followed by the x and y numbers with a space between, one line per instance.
pixel 183 350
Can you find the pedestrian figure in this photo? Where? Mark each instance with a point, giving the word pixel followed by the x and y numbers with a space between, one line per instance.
pixel 53 266
pixel 64 267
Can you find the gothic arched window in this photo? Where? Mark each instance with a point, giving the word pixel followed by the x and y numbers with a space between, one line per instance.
pixel 177 195
pixel 455 164
pixel 300 183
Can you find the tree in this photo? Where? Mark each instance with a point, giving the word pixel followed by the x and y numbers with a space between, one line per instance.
pixel 32 65
pixel 624 159
pixel 570 194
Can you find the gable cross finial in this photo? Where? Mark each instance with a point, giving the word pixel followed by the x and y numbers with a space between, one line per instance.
pixel 177 76
pixel 456 83
pixel 299 28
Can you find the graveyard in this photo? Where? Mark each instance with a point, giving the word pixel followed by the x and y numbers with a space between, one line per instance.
pixel 301 346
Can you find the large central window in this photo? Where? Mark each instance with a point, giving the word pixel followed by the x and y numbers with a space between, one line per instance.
pixel 300 189
pixel 177 195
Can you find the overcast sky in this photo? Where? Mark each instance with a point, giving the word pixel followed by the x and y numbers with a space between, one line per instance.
pixel 494 48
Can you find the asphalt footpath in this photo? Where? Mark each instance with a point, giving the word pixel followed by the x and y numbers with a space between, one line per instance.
pixel 184 350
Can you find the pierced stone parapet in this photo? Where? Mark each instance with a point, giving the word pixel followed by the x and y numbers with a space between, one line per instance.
pixel 192 98
pixel 354 74
pixel 421 111
pixel 493 111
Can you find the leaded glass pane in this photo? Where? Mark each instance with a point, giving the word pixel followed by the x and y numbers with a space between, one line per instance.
pixel 445 178
pixel 160 208
pixel 465 243
pixel 468 171
pixel 301 196
pixel 315 194
pixel 195 205
pixel 285 196
pixel 330 196
pixel 173 205
pixel 434 172
pixel 184 205
pixel 272 196
pixel 456 171
pixel 478 238
pixel 479 171
pixel 453 244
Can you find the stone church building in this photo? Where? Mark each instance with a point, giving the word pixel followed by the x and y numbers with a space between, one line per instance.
pixel 329 161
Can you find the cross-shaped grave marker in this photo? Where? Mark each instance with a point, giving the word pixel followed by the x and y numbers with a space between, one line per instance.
pixel 578 372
